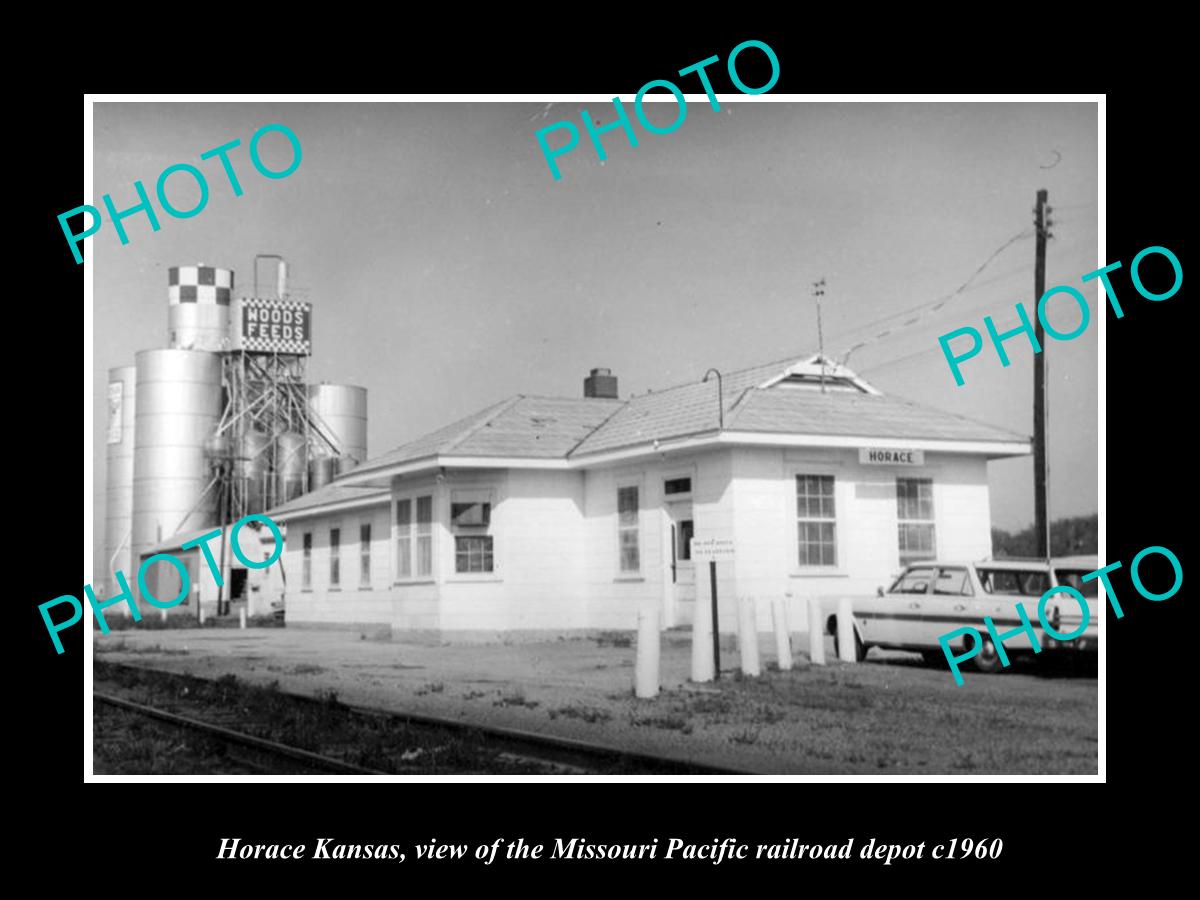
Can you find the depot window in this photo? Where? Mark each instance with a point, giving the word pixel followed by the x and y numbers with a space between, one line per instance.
pixel 816 520
pixel 628 531
pixel 471 522
pixel 335 557
pixel 306 562
pixel 677 486
pixel 914 510
pixel 414 537
pixel 364 554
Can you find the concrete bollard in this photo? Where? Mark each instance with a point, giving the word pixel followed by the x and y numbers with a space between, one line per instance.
pixel 164 615
pixel 703 665
pixel 646 675
pixel 816 632
pixel 845 630
pixel 242 617
pixel 783 638
pixel 748 634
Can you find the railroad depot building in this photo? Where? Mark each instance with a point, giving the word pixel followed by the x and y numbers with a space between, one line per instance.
pixel 550 513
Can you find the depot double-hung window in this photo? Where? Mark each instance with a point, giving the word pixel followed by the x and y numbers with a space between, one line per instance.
pixel 414 538
pixel 914 502
pixel 628 530
pixel 306 566
pixel 471 522
pixel 816 520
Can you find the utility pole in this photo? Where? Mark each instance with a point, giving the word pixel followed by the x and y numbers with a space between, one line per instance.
pixel 818 293
pixel 1041 521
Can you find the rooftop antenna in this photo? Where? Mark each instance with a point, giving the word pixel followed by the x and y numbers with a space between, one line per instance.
pixel 818 293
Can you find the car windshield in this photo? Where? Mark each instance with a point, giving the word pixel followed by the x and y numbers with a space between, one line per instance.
pixel 1022 582
pixel 1074 578
pixel 914 581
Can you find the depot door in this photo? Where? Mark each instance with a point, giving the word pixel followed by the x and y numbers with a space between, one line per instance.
pixel 682 583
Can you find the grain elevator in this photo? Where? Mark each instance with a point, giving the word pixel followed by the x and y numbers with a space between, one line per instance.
pixel 219 424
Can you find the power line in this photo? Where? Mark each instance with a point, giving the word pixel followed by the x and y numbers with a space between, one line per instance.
pixel 924 309
pixel 1000 276
pixel 979 307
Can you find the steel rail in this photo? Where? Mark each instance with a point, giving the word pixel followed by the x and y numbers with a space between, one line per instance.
pixel 237 737
pixel 536 746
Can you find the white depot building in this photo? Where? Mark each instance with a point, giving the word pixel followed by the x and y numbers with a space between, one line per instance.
pixel 551 513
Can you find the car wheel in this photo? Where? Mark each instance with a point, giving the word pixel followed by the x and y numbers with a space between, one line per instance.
pixel 860 650
pixel 987 659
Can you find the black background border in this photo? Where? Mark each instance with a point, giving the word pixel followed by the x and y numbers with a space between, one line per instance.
pixel 1046 825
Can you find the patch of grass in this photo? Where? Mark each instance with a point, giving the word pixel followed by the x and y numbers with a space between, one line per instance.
pixel 966 761
pixel 434 687
pixel 766 714
pixel 614 639
pixel 515 697
pixel 711 704
pixel 306 669
pixel 124 647
pixel 589 714
pixel 473 695
pixel 837 700
pixel 668 721
pixel 745 737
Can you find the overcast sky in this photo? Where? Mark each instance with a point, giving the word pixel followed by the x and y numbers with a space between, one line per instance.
pixel 447 269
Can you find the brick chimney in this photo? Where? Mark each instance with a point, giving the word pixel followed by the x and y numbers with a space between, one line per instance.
pixel 601 383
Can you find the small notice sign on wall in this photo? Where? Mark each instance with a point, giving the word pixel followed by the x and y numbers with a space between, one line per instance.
pixel 712 549
pixel 116 396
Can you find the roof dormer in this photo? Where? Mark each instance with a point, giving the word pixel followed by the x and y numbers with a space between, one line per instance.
pixel 815 374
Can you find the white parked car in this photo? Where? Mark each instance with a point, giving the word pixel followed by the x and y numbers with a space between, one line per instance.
pixel 931 598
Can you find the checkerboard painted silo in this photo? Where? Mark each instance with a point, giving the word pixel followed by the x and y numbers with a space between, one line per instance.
pixel 198 307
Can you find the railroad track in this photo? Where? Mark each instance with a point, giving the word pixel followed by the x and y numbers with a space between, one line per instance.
pixel 261 747
pixel 560 755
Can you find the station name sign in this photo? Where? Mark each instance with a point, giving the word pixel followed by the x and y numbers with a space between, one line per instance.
pixel 893 456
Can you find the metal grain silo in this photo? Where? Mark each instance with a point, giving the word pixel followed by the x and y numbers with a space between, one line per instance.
pixel 340 411
pixel 198 307
pixel 118 507
pixel 178 407
pixel 253 467
pixel 320 472
pixel 291 461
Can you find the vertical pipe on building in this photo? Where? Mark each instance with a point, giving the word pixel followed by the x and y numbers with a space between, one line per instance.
pixel 748 634
pixel 118 525
pixel 702 647
pixel 816 632
pixel 783 638
pixel 845 631
pixel 649 634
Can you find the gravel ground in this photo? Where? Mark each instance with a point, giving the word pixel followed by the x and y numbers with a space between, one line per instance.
pixel 888 715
